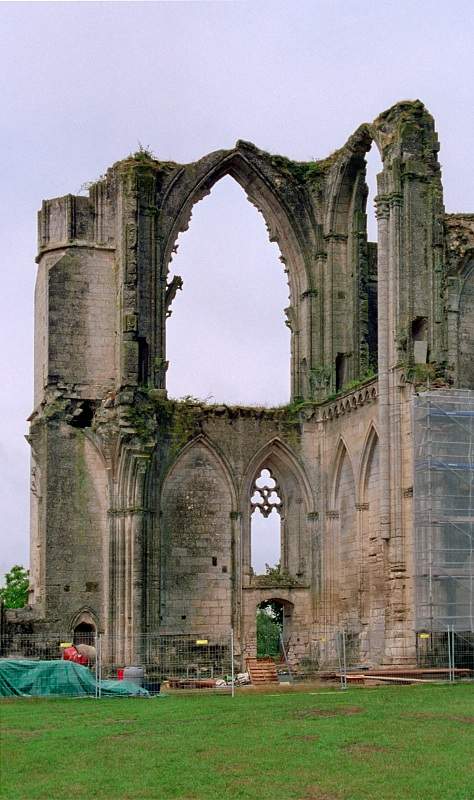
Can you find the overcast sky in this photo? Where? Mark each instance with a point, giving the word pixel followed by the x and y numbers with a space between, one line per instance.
pixel 82 83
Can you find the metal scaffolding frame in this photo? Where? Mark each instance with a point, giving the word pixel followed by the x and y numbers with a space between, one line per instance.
pixel 443 495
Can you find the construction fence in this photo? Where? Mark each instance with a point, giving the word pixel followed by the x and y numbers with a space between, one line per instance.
pixel 108 666
pixel 105 665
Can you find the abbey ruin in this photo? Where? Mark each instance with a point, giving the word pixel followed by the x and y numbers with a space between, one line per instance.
pixel 142 505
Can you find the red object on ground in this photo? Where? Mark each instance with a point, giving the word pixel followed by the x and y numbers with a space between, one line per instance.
pixel 120 674
pixel 71 654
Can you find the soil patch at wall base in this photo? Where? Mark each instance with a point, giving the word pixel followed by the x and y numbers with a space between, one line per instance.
pixel 366 748
pixel 347 711
pixel 427 715
pixel 314 793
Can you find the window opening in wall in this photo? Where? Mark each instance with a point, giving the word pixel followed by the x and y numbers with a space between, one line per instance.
pixel 373 168
pixel 341 362
pixel 226 335
pixel 419 335
pixel 266 509
pixel 83 414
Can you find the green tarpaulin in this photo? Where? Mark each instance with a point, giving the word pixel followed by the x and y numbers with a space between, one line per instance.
pixel 42 678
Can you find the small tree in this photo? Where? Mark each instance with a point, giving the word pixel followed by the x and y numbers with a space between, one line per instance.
pixel 15 592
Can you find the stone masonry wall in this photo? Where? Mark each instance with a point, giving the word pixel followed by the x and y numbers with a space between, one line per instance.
pixel 141 505
pixel 197 556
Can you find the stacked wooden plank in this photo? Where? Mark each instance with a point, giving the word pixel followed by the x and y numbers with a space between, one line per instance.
pixel 262 670
pixel 415 675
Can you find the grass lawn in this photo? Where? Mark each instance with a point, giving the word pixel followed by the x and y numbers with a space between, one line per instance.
pixel 394 743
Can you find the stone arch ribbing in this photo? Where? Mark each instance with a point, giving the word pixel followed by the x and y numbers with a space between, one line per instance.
pixel 218 457
pixel 348 259
pixel 342 451
pixel 278 456
pixel 84 614
pixel 344 174
pixel 281 225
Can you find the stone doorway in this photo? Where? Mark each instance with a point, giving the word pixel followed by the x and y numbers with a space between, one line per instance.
pixel 84 633
pixel 273 627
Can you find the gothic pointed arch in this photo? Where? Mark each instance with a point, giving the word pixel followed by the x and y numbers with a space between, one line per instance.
pixel 343 532
pixel 250 168
pixel 348 167
pixel 289 219
pixel 353 259
pixel 277 456
pixel 215 453
pixel 342 455
pixel 275 472
pixel 370 442
pixel 372 583
pixel 85 615
pixel 195 541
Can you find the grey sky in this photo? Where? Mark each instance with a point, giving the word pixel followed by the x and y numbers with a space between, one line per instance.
pixel 81 83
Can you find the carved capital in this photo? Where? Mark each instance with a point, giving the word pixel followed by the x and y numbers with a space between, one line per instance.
pixel 362 506
pixel 382 210
pixel 332 514
pixel 335 237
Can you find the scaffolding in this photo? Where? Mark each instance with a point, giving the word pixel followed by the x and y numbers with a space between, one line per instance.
pixel 443 495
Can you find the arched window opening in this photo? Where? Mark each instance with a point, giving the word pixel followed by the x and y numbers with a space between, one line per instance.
pixel 373 167
pixel 226 335
pixel 265 538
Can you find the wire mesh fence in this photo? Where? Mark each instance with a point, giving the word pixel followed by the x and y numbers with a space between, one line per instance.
pixel 170 661
pixel 147 665
pixel 108 665
pixel 39 665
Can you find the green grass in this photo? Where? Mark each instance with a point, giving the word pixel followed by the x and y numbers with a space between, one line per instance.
pixel 396 743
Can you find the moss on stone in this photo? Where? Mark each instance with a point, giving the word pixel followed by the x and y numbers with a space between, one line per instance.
pixel 55 409
pixel 310 172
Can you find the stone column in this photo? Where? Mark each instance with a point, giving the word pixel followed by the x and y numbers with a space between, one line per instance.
pixel 384 334
pixel 237 575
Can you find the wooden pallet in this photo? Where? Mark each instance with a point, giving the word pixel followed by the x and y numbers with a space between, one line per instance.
pixel 262 670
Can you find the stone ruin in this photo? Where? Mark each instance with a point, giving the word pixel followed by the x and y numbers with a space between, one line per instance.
pixel 141 505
